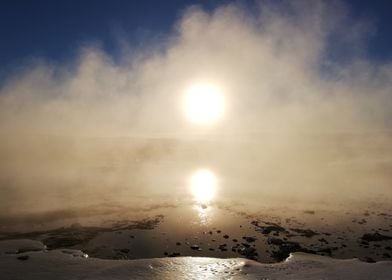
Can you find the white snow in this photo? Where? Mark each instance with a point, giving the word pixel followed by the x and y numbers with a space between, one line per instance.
pixel 73 264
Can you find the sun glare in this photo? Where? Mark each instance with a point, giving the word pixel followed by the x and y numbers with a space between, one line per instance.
pixel 203 185
pixel 204 103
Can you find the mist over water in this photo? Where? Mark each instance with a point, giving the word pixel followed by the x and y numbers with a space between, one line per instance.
pixel 298 125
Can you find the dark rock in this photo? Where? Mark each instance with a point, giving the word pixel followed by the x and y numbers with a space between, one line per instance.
pixel 225 236
pixel 23 258
pixel 285 248
pixel 304 232
pixel 323 240
pixel 375 237
pixel 361 222
pixel 246 245
pixel 195 247
pixel 223 247
pixel 249 253
pixel 368 259
pixel 366 213
pixel 268 229
pixel 178 243
pixel 249 239
pixel 235 240
pixel 274 241
pixel 172 255
pixel 124 250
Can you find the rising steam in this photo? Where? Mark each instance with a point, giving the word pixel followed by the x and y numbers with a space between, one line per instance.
pixel 298 121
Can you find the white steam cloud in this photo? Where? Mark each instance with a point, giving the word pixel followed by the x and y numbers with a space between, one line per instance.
pixel 296 122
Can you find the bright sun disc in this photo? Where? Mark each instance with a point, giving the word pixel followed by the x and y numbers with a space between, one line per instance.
pixel 203 185
pixel 204 103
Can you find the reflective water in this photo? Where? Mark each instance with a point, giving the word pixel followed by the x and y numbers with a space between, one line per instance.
pixel 138 199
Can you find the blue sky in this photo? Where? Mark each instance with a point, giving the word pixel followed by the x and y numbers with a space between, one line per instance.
pixel 55 30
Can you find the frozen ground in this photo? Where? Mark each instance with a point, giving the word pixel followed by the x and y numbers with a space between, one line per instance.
pixel 25 259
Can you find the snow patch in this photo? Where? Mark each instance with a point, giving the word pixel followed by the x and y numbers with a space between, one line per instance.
pixel 39 263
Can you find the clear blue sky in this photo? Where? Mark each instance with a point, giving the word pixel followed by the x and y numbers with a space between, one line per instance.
pixel 55 29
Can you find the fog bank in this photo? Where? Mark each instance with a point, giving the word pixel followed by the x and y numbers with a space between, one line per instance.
pixel 307 115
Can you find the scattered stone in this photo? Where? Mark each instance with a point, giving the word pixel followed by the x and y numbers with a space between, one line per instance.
pixel 323 240
pixel 172 255
pixel 23 258
pixel 218 231
pixel 311 212
pixel 274 241
pixel 246 245
pixel 195 247
pixel 375 237
pixel 249 239
pixel 235 240
pixel 178 243
pixel 304 232
pixel 285 248
pixel 225 236
pixel 362 221
pixel 249 253
pixel 268 228
pixel 223 247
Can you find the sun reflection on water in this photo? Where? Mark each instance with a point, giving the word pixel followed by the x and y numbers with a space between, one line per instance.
pixel 203 184
pixel 204 213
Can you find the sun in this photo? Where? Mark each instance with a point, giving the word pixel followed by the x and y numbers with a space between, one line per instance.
pixel 203 185
pixel 203 103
